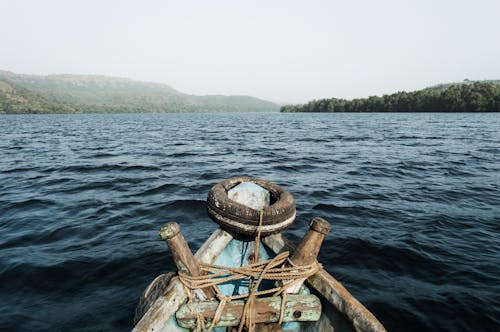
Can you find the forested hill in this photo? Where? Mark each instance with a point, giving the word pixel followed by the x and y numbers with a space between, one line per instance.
pixel 483 96
pixel 102 94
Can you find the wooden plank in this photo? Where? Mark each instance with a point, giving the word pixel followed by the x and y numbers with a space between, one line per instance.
pixel 333 291
pixel 298 308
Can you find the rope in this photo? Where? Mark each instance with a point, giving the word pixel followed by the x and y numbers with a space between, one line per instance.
pixel 247 315
pixel 279 269
pixel 282 307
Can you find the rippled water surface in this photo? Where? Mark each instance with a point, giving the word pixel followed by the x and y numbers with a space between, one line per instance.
pixel 414 200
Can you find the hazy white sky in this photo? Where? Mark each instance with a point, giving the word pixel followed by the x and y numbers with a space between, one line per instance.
pixel 285 51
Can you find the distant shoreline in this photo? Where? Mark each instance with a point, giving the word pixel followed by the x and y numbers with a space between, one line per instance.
pixel 472 97
pixel 229 112
pixel 137 113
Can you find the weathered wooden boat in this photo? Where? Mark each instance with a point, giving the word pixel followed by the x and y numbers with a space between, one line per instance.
pixel 236 282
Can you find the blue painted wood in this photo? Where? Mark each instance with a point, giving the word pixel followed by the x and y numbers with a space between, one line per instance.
pixel 251 195
pixel 237 254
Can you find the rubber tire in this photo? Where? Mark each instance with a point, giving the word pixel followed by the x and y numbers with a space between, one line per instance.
pixel 241 219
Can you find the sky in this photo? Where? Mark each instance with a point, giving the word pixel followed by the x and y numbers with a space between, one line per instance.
pixel 284 51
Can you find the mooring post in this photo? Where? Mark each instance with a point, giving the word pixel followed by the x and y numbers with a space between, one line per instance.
pixel 182 255
pixel 307 251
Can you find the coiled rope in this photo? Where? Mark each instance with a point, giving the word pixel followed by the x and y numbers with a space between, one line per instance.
pixel 279 269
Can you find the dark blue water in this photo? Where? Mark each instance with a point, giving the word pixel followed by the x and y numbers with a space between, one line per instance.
pixel 414 200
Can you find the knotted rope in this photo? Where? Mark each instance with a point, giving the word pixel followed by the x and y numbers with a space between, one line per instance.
pixel 279 269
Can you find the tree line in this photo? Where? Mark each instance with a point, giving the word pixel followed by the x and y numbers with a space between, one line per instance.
pixel 466 97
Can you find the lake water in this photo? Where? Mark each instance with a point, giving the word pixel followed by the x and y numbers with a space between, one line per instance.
pixel 414 202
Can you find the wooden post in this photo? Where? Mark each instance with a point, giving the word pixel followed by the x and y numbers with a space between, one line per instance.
pixel 182 255
pixel 308 249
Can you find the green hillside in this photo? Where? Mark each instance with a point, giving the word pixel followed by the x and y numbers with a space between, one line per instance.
pixel 15 99
pixel 468 96
pixel 444 86
pixel 101 94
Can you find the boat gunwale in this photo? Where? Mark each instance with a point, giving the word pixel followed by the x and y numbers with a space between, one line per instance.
pixel 325 284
